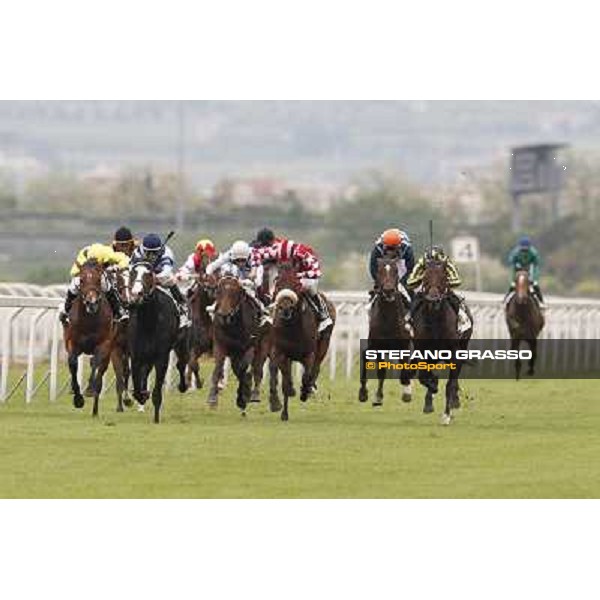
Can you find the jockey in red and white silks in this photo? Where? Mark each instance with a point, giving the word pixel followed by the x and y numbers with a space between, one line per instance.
pixel 308 268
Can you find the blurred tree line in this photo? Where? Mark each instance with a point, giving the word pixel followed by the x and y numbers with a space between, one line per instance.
pixel 344 233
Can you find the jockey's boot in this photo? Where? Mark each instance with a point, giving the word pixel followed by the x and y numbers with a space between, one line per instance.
pixel 65 307
pixel 538 293
pixel 463 322
pixel 320 307
pixel 184 317
pixel 119 312
pixel 264 316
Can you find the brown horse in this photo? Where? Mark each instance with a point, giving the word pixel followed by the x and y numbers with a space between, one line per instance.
pixel 89 331
pixel 387 322
pixel 524 319
pixel 296 337
pixel 435 328
pixel 200 296
pixel 235 331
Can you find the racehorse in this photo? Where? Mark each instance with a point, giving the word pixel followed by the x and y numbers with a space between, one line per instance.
pixel 89 331
pixel 296 337
pixel 200 296
pixel 524 319
pixel 435 328
pixel 235 331
pixel 387 322
pixel 153 333
pixel 119 356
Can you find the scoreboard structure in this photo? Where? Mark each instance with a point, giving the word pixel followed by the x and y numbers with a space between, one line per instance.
pixel 535 170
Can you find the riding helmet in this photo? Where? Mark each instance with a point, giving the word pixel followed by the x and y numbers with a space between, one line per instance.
pixel 525 242
pixel 151 243
pixel 391 237
pixel 265 237
pixel 123 234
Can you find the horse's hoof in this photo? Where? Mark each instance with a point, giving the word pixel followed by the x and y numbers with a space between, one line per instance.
pixel 140 407
pixel 243 414
pixel 255 397
pixel 127 401
pixel 120 409
pixel 275 405
pixel 182 388
pixel 363 395
pixel 378 402
pixel 89 392
pixel 427 409
pixel 78 401
pixel 406 398
pixel 284 416
pixel 455 404
pixel 445 419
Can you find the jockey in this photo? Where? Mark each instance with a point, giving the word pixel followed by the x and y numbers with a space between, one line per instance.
pixel 525 257
pixel 309 271
pixel 162 260
pixel 197 262
pixel 107 257
pixel 236 262
pixel 415 280
pixel 394 243
pixel 124 241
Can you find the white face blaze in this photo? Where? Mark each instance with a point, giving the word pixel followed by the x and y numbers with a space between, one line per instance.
pixel 137 288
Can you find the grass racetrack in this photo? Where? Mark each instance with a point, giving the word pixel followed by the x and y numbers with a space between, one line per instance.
pixel 532 439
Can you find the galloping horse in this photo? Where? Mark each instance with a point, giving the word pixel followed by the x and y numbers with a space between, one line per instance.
pixel 153 333
pixel 235 331
pixel 387 322
pixel 296 337
pixel 200 296
pixel 524 319
pixel 435 328
pixel 89 331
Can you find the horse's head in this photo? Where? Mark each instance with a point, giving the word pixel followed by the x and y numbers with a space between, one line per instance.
pixel 387 277
pixel 435 280
pixel 228 297
pixel 522 286
pixel 142 282
pixel 287 278
pixel 90 277
pixel 286 301
pixel 207 287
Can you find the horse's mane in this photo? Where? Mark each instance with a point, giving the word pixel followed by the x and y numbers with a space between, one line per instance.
pixel 287 277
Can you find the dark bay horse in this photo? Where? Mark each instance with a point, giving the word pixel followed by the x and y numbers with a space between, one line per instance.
pixel 387 322
pixel 524 319
pixel 235 331
pixel 296 337
pixel 89 331
pixel 435 328
pixel 153 333
pixel 200 296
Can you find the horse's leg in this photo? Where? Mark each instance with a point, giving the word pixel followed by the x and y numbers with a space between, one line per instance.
pixel 193 369
pixel 406 383
pixel 274 401
pixel 240 365
pixel 451 393
pixel 78 400
pixel 533 346
pixel 116 359
pixel 125 362
pixel 307 376
pixel 140 373
pixel 429 382
pixel 258 367
pixel 89 390
pixel 182 353
pixel 287 385
pixel 379 394
pixel 514 345
pixel 160 370
pixel 102 359
pixel 363 391
pixel 217 375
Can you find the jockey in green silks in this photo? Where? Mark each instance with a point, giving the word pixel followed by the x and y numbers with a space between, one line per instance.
pixel 525 257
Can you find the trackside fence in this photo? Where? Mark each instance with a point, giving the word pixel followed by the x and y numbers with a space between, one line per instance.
pixel 32 349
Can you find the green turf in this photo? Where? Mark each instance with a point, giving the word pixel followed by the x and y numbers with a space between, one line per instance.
pixel 530 439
